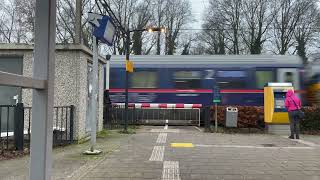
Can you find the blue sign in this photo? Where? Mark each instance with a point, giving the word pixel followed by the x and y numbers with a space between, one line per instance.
pixel 104 29
pixel 216 94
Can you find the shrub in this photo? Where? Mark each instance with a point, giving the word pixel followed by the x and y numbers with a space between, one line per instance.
pixel 248 116
pixel 253 116
pixel 311 123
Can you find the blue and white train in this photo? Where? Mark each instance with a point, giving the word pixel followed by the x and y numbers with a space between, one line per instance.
pixel 190 79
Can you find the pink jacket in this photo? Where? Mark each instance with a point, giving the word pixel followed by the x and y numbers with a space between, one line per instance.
pixel 292 102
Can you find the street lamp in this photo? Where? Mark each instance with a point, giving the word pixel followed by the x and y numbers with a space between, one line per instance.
pixel 155 29
pixel 129 66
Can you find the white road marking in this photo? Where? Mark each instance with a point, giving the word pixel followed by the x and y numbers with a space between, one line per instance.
pixel 165 130
pixel 171 170
pixel 198 128
pixel 308 143
pixel 157 153
pixel 162 138
pixel 250 147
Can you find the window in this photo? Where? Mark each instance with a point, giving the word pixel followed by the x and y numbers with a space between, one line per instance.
pixel 113 79
pixel 263 77
pixel 236 74
pixel 187 79
pixel 144 79
pixel 233 84
pixel 288 77
pixel 314 79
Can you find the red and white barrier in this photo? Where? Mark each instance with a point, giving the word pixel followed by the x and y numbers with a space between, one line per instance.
pixel 161 106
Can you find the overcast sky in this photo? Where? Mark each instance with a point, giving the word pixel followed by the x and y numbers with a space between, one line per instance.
pixel 198 7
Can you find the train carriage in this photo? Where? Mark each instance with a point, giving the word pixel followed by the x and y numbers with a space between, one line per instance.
pixel 190 79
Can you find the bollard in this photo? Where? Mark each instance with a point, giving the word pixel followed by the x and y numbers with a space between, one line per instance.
pixel 19 126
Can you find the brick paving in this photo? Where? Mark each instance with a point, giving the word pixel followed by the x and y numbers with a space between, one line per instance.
pixel 213 156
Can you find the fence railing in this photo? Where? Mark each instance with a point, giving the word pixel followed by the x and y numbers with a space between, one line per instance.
pixel 6 126
pixel 16 123
pixel 115 116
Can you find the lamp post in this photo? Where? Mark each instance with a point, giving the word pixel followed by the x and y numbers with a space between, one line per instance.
pixel 107 81
pixel 127 81
pixel 103 29
pixel 127 47
pixel 106 99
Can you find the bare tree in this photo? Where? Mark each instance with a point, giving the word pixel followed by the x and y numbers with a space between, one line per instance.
pixel 257 20
pixel 150 43
pixel 8 21
pixel 66 21
pixel 230 11
pixel 124 11
pixel 178 14
pixel 215 41
pixel 306 27
pixel 287 17
pixel 213 34
pixel 222 25
pixel 141 19
pixel 15 25
pixel 199 49
pixel 26 15
pixel 186 41
pixel 159 17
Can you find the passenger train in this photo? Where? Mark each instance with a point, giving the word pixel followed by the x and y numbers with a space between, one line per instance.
pixel 190 79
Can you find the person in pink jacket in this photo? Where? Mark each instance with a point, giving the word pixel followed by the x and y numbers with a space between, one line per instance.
pixel 293 105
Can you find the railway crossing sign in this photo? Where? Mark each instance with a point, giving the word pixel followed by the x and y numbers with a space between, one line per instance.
pixel 216 94
pixel 104 29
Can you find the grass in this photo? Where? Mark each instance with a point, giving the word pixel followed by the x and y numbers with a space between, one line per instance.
pixel 81 145
pixel 102 144
pixel 130 130
pixel 102 134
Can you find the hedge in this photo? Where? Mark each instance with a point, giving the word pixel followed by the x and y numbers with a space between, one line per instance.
pixel 253 116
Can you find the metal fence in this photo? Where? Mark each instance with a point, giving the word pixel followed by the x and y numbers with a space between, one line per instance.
pixel 15 126
pixel 115 116
pixel 6 126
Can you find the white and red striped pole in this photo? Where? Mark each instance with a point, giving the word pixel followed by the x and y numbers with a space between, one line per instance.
pixel 161 106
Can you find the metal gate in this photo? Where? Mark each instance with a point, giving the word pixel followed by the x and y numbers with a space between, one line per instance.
pixel 151 115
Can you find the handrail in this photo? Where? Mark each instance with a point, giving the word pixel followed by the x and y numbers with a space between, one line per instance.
pixel 9 79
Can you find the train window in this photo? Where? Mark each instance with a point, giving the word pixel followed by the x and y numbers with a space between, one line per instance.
pixel 263 77
pixel 187 79
pixel 144 79
pixel 236 74
pixel 315 79
pixel 187 75
pixel 232 84
pixel 288 77
pixel 113 79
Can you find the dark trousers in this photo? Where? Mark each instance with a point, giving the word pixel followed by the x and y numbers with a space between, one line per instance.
pixel 294 123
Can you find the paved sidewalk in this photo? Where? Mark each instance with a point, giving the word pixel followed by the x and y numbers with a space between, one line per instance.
pixel 149 155
pixel 68 161
pixel 213 156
